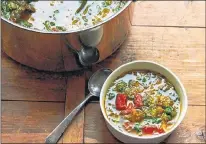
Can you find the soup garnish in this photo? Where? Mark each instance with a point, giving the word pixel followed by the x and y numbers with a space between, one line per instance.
pixel 59 15
pixel 142 103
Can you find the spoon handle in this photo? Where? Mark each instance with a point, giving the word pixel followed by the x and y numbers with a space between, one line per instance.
pixel 54 136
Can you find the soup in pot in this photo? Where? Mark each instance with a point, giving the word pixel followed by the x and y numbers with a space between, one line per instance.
pixel 59 15
pixel 142 103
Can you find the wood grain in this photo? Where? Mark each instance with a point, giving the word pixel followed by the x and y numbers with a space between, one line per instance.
pixel 169 13
pixel 180 49
pixel 23 83
pixel 74 95
pixel 97 132
pixel 27 122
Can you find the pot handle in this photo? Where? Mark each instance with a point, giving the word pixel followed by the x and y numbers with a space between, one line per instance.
pixel 86 56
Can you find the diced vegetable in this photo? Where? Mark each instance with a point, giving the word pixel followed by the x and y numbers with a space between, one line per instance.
pixel 174 113
pixel 83 4
pixel 121 86
pixel 133 83
pixel 148 129
pixel 156 120
pixel 166 117
pixel 149 101
pixel 160 110
pixel 138 101
pixel 52 23
pixel 47 25
pixel 160 130
pixel 164 101
pixel 61 28
pixel 128 126
pixel 137 127
pixel 121 102
pixel 168 110
pixel 151 130
pixel 108 2
pixel 144 79
pixel 128 110
pixel 25 23
pixel 131 92
pixel 56 11
pixel 136 116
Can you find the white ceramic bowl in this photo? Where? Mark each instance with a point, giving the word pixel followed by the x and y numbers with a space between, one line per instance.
pixel 144 65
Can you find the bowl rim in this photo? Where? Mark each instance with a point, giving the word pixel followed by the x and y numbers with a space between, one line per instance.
pixel 183 109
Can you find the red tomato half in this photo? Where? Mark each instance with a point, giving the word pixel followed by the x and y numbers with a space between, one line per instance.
pixel 121 102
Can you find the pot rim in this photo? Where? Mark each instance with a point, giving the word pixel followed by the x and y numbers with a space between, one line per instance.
pixel 70 31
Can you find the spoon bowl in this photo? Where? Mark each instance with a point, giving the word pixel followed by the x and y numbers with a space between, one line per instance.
pixel 97 80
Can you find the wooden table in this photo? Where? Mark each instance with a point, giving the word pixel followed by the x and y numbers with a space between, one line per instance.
pixel 170 33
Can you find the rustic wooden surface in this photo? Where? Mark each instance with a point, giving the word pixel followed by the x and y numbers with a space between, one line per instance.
pixel 171 33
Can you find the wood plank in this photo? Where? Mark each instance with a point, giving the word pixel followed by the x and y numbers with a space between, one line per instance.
pixel 23 83
pixel 75 94
pixel 29 122
pixel 180 49
pixel 97 132
pixel 169 13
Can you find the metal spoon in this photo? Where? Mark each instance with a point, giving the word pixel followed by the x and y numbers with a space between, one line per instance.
pixel 95 84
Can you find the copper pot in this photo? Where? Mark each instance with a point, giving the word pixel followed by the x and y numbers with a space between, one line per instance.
pixel 66 51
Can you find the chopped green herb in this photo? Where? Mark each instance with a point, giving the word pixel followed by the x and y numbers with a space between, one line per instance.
pixel 47 25
pixel 56 11
pixel 52 23
pixel 111 96
pixel 144 79
pixel 25 23
pixel 137 127
pixel 61 28
pixel 156 120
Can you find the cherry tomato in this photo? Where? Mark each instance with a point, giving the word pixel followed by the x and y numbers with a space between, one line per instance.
pixel 138 101
pixel 128 110
pixel 121 102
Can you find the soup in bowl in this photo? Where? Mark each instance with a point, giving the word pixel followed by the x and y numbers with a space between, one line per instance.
pixel 142 102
